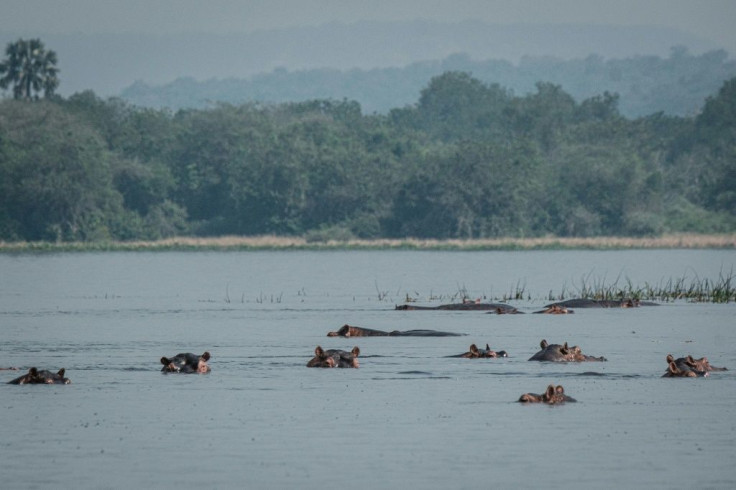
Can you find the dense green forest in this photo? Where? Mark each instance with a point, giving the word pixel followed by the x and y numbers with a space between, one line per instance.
pixel 467 160
pixel 676 85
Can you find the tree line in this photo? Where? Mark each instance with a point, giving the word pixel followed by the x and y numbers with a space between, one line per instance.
pixel 467 160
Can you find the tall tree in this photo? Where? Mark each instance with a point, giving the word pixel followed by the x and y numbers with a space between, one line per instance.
pixel 29 68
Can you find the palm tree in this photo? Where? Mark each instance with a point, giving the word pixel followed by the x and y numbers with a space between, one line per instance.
pixel 29 68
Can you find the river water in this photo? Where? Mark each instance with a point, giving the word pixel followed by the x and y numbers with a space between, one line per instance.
pixel 408 417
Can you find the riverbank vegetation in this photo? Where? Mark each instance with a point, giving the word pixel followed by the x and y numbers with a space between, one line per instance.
pixel 469 161
pixel 272 242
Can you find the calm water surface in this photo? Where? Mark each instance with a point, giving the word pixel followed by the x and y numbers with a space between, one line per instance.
pixel 409 417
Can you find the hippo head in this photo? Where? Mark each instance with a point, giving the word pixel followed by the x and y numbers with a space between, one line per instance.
pixel 186 363
pixel 553 395
pixel 335 358
pixel 202 366
pixel 343 332
pixel 321 359
pixel 35 376
pixel 682 370
pixel 702 364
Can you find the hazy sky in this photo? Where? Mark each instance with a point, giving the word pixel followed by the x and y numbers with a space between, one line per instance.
pixel 712 19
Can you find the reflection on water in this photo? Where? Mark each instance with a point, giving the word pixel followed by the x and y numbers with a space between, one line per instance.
pixel 408 416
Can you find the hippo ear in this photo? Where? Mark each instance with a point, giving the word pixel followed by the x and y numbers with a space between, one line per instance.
pixel 690 359
pixel 206 356
pixel 33 371
pixel 543 344
pixel 165 361
pixel 564 348
pixel 355 351
pixel 488 347
pixel 550 392
pixel 560 390
pixel 319 352
pixel 670 358
pixel 61 372
pixel 672 368
pixel 473 349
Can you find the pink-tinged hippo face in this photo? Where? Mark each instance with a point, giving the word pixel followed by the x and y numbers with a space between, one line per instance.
pixel 475 353
pixel 186 363
pixel 701 364
pixel 683 368
pixel 36 376
pixel 553 396
pixel 335 358
pixel 562 353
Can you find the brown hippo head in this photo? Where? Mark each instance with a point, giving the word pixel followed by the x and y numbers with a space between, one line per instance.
pixel 679 368
pixel 553 396
pixel 334 358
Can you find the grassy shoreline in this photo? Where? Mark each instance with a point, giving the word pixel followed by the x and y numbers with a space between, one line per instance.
pixel 269 242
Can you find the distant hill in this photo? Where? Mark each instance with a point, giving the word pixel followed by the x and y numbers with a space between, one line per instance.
pixel 108 63
pixel 675 85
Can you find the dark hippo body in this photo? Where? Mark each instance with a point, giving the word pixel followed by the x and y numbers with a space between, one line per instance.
pixel 186 363
pixel 475 353
pixel 562 353
pixel 601 303
pixel 335 358
pixel 502 309
pixel 555 310
pixel 351 331
pixel 688 367
pixel 553 396
pixel 35 376
pixel 466 306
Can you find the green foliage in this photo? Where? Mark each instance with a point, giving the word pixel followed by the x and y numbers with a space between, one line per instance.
pixel 468 160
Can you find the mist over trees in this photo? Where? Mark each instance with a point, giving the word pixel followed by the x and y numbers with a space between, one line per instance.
pixel 676 85
pixel 468 159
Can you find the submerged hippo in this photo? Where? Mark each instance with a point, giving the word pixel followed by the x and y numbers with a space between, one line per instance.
pixel 688 367
pixel 464 306
pixel 602 303
pixel 555 310
pixel 335 358
pixel 562 353
pixel 475 353
pixel 701 364
pixel 44 377
pixel 553 396
pixel 351 331
pixel 502 309
pixel 186 363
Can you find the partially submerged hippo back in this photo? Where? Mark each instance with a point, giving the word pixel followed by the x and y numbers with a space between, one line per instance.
pixel 335 358
pixel 602 303
pixel 555 310
pixel 562 353
pixel 351 331
pixel 186 363
pixel 35 376
pixel 503 309
pixel 553 396
pixel 465 306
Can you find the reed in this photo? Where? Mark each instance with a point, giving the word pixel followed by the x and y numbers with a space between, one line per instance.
pixel 272 242
pixel 721 290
